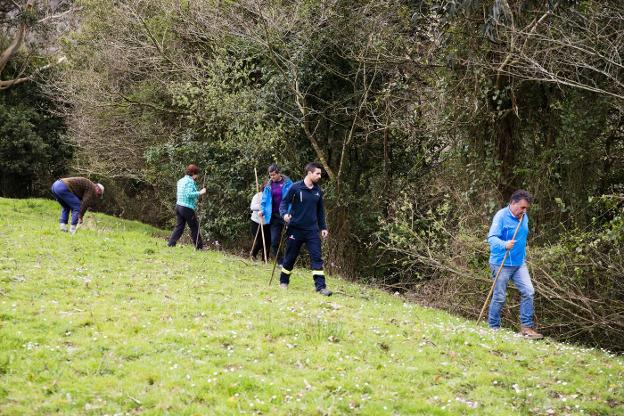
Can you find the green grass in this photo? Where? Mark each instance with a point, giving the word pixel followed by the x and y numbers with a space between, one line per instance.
pixel 111 321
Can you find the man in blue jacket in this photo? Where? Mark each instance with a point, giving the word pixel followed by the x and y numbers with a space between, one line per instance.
pixel 501 239
pixel 303 210
pixel 272 196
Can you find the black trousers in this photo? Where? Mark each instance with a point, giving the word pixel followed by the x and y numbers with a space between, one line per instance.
pixel 259 246
pixel 186 215
pixel 276 225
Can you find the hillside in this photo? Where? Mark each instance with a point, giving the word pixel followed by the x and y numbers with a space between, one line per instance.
pixel 111 321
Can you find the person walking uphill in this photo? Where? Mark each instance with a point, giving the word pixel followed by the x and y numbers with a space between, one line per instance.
pixel 500 237
pixel 187 195
pixel 272 196
pixel 259 243
pixel 303 210
pixel 75 194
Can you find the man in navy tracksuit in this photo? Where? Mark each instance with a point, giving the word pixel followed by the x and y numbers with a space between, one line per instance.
pixel 302 209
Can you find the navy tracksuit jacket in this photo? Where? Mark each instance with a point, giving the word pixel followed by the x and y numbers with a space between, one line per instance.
pixel 306 207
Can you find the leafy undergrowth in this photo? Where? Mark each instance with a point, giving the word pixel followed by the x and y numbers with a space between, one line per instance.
pixel 111 321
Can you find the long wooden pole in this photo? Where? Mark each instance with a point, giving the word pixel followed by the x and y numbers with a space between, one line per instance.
pixel 197 211
pixel 279 246
pixel 254 242
pixel 487 299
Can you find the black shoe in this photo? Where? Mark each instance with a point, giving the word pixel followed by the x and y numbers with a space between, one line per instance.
pixel 325 292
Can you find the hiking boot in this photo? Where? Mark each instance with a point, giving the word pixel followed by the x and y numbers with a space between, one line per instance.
pixel 284 285
pixel 530 333
pixel 325 292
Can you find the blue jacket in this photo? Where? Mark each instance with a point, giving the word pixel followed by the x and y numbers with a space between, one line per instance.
pixel 266 206
pixel 306 207
pixel 187 192
pixel 502 230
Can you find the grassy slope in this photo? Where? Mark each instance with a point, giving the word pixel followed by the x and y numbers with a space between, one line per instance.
pixel 112 321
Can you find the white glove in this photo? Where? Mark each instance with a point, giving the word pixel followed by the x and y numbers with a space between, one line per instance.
pixel 63 227
pixel 72 229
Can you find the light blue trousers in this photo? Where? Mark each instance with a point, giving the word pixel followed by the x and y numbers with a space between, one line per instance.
pixel 519 275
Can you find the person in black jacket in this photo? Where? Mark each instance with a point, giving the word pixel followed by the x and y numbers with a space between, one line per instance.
pixel 302 209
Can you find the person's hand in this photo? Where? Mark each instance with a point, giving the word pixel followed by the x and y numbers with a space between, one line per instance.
pixel 287 218
pixel 324 233
pixel 203 191
pixel 261 214
pixel 509 244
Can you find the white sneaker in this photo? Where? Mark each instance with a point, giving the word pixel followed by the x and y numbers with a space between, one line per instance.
pixel 284 285
pixel 63 227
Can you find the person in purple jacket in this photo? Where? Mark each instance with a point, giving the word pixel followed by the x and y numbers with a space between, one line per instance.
pixel 272 196
pixel 501 239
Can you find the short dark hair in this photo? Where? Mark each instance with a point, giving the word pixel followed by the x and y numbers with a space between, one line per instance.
pixel 311 167
pixel 273 167
pixel 192 170
pixel 521 194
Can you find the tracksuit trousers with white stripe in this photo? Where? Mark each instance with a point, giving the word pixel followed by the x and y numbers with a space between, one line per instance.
pixel 295 238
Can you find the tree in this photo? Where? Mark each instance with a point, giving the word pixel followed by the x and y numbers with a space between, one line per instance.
pixel 33 149
pixel 19 22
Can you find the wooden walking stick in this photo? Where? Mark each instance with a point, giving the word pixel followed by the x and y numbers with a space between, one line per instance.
pixel 487 299
pixel 277 254
pixel 254 242
pixel 197 210
pixel 281 241
pixel 261 223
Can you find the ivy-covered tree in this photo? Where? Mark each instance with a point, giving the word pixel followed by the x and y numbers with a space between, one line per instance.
pixel 33 146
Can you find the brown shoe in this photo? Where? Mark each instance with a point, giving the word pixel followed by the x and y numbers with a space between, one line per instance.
pixel 530 333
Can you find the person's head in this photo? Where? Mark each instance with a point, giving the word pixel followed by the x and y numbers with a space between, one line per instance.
pixel 192 170
pixel 313 171
pixel 519 202
pixel 274 172
pixel 99 190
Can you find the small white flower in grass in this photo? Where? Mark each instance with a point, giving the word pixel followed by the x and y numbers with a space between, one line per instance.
pixel 516 388
pixel 472 405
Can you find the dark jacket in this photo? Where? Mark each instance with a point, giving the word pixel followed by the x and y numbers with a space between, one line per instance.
pixel 306 207
pixel 85 190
